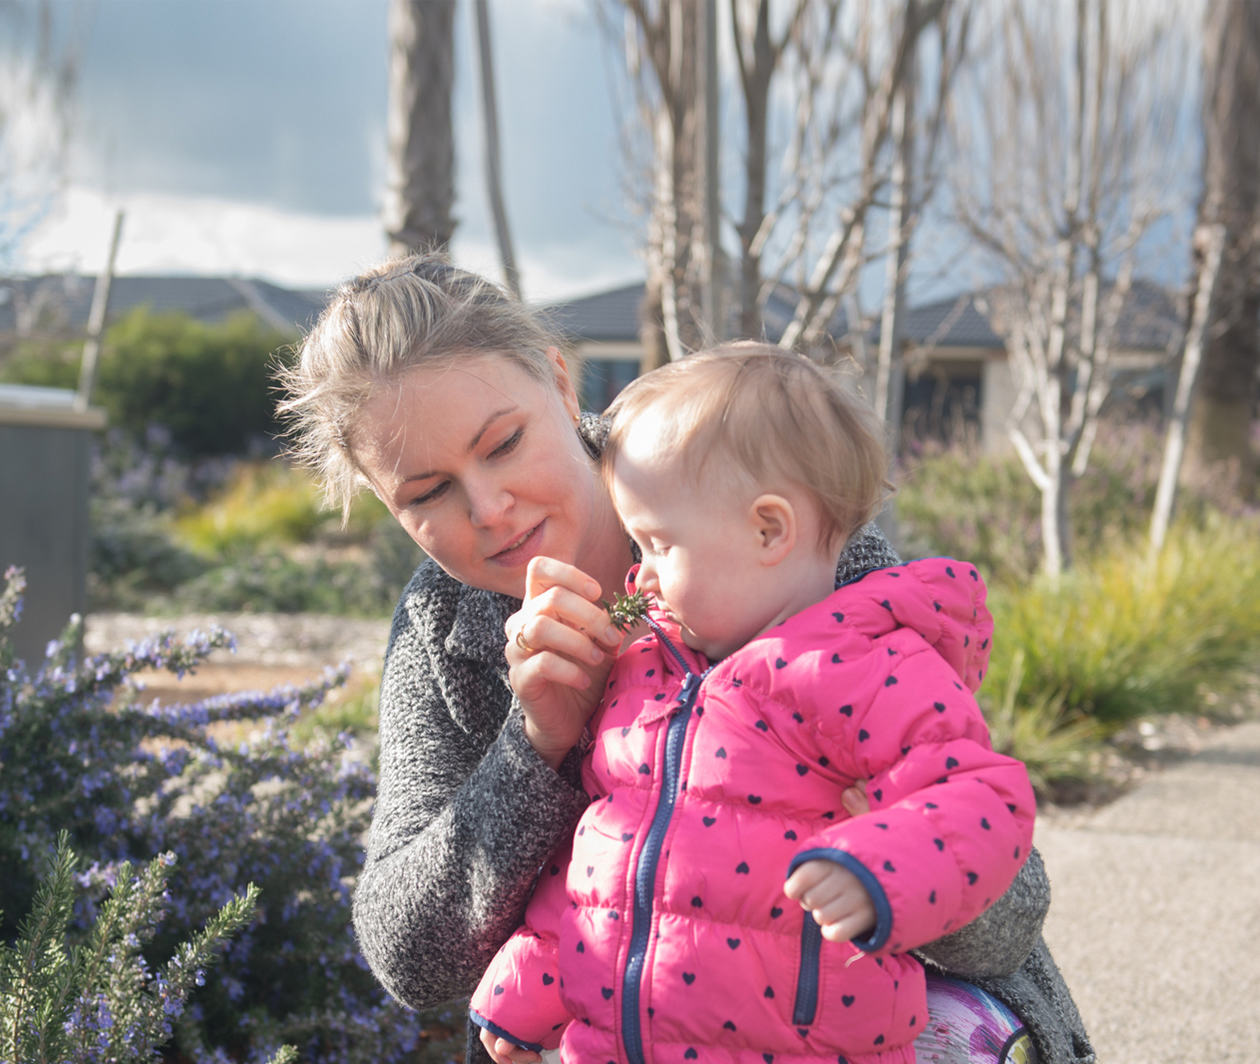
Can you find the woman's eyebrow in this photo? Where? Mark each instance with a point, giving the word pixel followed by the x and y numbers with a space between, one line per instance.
pixel 485 425
pixel 472 446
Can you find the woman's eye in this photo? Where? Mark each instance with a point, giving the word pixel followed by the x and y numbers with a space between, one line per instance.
pixel 508 445
pixel 433 493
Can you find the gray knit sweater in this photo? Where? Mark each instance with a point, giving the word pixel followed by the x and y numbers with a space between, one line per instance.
pixel 467 812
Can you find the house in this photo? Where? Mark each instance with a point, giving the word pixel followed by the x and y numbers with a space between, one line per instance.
pixel 958 378
pixel 61 303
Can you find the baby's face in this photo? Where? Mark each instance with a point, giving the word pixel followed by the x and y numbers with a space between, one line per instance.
pixel 698 545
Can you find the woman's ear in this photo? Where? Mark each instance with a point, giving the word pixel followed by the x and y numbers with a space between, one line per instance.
pixel 564 383
pixel 773 520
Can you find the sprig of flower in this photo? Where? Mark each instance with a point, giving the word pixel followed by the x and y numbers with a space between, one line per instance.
pixel 627 610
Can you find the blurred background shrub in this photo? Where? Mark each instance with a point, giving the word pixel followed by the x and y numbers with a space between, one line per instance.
pixel 1118 639
pixel 223 786
pixel 207 385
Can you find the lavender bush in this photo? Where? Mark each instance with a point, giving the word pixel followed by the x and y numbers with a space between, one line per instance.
pixel 81 751
pixel 98 1001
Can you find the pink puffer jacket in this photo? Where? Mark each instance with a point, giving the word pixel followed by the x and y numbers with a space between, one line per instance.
pixel 665 936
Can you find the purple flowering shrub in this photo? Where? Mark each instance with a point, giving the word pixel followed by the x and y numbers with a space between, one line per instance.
pixel 82 751
pixel 99 1000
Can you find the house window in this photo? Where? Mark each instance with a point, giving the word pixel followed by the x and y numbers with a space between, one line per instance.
pixel 603 378
pixel 942 402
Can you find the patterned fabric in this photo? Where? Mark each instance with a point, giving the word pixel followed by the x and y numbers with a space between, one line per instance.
pixel 968 1026
pixel 668 926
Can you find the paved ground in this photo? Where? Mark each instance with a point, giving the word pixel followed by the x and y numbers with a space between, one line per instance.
pixel 1156 913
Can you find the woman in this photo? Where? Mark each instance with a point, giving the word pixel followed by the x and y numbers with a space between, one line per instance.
pixel 453 404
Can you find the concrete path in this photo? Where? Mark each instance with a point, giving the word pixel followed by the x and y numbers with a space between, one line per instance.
pixel 1155 918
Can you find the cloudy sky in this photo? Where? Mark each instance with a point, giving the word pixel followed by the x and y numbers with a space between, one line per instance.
pixel 247 137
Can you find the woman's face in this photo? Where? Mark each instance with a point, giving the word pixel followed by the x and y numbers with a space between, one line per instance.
pixel 481 463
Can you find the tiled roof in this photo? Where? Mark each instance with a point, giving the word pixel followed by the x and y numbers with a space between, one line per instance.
pixel 205 298
pixel 609 317
pixel 1149 320
pixel 613 316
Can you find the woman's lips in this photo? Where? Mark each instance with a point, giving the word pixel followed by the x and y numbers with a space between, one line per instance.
pixel 520 550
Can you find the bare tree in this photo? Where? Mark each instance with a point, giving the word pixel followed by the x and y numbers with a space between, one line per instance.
pixel 1067 142
pixel 816 81
pixel 420 187
pixel 913 177
pixel 40 55
pixel 663 40
pixel 852 60
pixel 493 167
pixel 1222 416
pixel 1210 247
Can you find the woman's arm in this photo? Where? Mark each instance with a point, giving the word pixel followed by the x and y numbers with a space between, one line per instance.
pixel 999 940
pixel 466 813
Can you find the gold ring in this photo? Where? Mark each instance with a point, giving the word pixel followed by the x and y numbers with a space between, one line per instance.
pixel 521 642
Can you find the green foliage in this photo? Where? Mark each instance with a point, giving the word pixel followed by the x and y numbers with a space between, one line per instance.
pixel 1117 639
pixel 44 363
pixel 261 504
pixel 246 535
pixel 92 997
pixel 966 504
pixel 209 385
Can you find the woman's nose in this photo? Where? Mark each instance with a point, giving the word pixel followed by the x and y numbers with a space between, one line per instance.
pixel 488 501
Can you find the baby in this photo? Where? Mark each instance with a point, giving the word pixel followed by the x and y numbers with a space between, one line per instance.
pixel 717 900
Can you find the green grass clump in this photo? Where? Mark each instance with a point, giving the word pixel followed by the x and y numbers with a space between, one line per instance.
pixel 1118 639
pixel 262 504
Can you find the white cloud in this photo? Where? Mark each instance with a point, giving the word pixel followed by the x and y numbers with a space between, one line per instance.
pixel 200 235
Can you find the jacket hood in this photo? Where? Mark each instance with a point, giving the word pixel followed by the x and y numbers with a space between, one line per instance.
pixel 942 599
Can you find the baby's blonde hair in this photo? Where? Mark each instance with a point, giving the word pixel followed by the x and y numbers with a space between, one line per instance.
pixel 779 417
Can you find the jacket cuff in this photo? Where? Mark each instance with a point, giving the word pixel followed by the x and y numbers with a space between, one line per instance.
pixel 883 910
pixel 495 1029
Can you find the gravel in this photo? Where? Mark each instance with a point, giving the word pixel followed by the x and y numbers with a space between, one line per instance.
pixel 297 640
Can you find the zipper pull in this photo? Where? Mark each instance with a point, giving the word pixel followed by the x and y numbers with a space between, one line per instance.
pixel 690 686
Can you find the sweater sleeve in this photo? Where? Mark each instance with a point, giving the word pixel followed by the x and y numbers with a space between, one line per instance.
pixel 466 813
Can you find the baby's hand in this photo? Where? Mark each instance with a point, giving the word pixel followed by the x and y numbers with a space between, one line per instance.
pixel 836 898
pixel 504 1052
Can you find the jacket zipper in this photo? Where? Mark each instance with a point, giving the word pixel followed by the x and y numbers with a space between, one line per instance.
pixel 649 856
pixel 806 1006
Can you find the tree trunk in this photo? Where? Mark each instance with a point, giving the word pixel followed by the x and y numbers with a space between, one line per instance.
pixel 494 174
pixel 420 188
pixel 888 366
pixel 1221 421
pixel 1210 243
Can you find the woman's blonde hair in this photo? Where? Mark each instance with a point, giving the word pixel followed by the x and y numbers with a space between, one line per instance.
pixel 778 416
pixel 418 310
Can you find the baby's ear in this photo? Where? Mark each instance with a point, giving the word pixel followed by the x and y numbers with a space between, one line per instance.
pixel 773 520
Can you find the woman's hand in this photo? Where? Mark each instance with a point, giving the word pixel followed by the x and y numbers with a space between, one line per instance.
pixel 560 647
